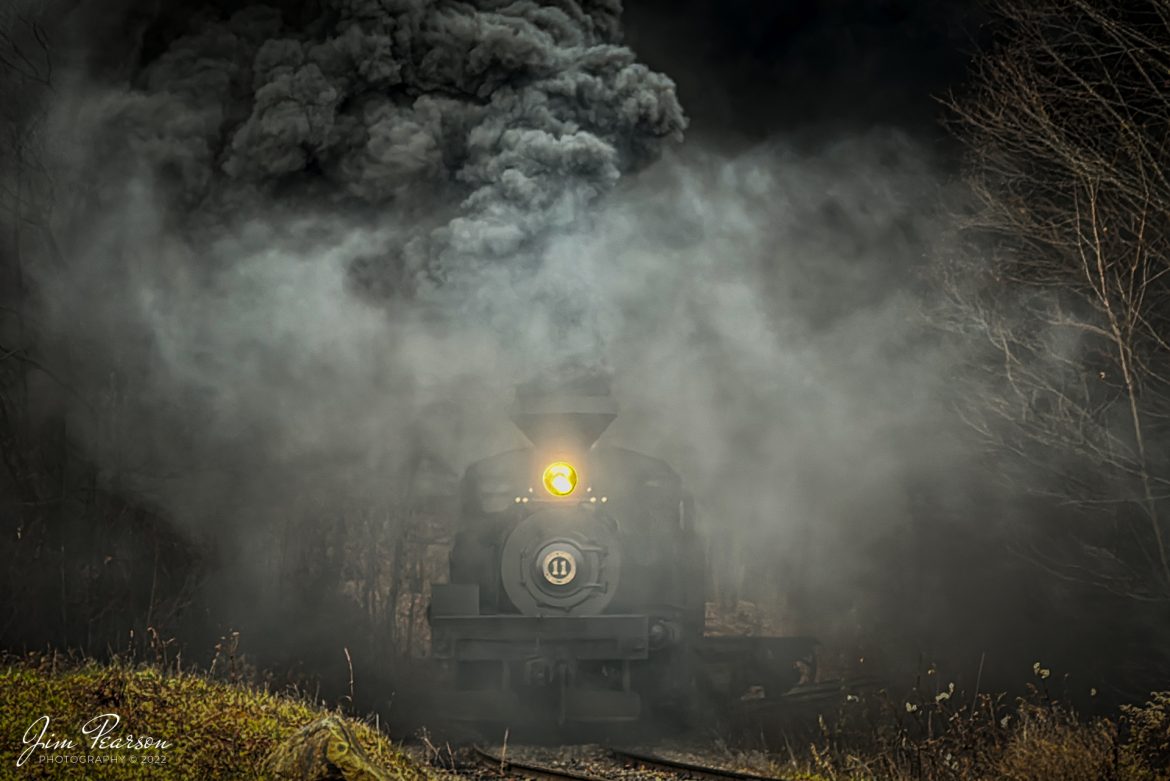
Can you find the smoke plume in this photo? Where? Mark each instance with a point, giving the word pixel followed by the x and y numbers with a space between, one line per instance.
pixel 309 247
pixel 298 231
pixel 464 134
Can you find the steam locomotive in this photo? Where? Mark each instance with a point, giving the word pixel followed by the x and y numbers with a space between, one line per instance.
pixel 577 584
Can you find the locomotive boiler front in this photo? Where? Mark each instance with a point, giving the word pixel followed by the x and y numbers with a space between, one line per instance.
pixel 561 561
pixel 536 565
pixel 577 586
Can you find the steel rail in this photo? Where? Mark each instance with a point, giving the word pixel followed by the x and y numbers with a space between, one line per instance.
pixel 513 769
pixel 655 762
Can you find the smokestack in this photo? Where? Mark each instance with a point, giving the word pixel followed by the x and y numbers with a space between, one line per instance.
pixel 574 412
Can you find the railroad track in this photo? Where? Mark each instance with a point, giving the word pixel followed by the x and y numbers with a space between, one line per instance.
pixel 689 769
pixel 824 690
pixel 507 768
pixel 628 761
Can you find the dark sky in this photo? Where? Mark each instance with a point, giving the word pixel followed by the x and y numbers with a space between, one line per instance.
pixel 747 69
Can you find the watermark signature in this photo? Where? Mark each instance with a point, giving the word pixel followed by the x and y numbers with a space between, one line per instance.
pixel 100 742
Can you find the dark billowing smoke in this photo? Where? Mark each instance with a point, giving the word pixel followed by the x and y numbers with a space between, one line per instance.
pixel 463 133
pixel 307 248
pixel 311 244
pixel 301 226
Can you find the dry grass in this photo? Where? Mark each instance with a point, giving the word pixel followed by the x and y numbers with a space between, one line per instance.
pixel 219 730
pixel 225 730
pixel 948 737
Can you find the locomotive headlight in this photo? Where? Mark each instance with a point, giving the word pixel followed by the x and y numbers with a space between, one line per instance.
pixel 560 478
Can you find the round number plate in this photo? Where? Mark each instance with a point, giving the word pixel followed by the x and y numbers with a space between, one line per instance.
pixel 559 567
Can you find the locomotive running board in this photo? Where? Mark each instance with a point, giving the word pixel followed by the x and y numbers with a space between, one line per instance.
pixel 519 638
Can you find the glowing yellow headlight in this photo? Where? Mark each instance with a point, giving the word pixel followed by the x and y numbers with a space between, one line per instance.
pixel 560 478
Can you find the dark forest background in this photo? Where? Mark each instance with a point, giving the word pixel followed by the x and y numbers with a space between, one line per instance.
pixel 1047 126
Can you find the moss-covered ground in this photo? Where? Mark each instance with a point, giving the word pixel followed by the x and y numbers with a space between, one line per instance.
pixel 216 730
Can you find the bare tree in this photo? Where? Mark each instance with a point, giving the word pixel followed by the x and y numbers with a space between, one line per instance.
pixel 87 563
pixel 1063 274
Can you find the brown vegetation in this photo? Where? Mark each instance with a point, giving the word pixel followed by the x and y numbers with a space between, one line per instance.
pixel 216 729
pixel 952 736
pixel 1065 279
